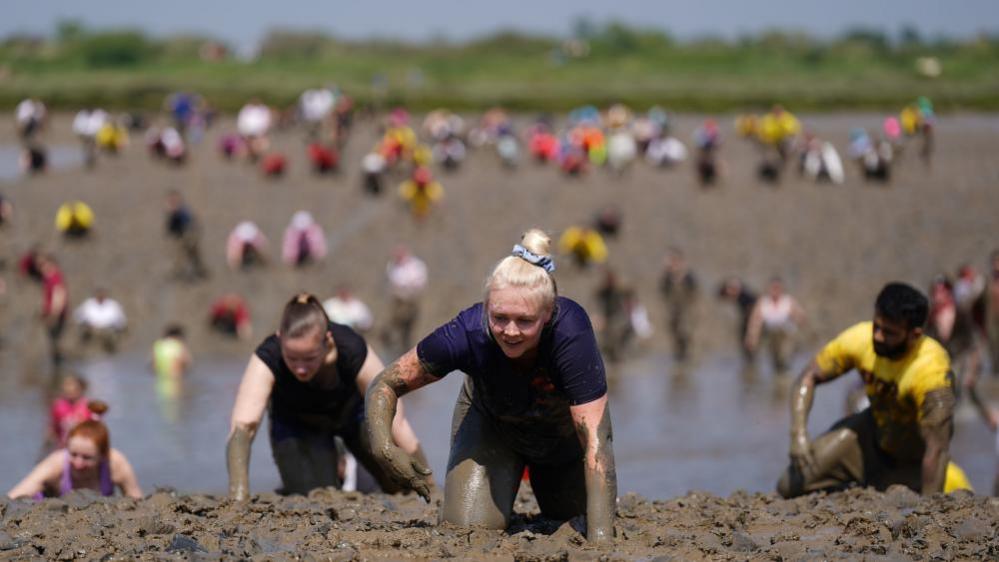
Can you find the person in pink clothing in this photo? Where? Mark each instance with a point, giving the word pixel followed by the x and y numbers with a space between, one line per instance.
pixel 68 409
pixel 304 240
pixel 246 246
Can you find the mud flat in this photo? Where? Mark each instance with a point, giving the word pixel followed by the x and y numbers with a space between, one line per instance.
pixel 331 525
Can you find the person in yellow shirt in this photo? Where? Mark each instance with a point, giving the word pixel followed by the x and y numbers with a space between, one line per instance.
pixel 74 219
pixel 904 436
pixel 421 192
pixel 584 244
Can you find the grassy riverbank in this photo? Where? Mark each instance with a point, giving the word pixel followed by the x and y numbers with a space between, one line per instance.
pixel 859 70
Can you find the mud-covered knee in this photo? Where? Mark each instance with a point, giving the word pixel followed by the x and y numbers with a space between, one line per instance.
pixel 472 514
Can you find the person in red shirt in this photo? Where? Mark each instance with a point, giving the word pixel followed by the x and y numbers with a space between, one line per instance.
pixel 230 315
pixel 55 303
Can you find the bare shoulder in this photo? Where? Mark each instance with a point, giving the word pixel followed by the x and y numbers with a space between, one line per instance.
pixel 119 461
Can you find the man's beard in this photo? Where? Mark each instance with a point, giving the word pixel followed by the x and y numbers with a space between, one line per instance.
pixel 890 351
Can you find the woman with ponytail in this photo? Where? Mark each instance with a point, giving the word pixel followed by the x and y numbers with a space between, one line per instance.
pixel 311 377
pixel 87 462
pixel 535 396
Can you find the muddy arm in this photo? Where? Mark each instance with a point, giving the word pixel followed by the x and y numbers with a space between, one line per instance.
pixel 593 426
pixel 802 396
pixel 251 400
pixel 381 401
pixel 936 427
pixel 402 433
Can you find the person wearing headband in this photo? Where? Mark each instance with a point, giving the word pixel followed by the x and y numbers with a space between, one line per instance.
pixel 310 376
pixel 535 396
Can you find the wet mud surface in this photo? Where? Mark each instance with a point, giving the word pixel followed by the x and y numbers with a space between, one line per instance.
pixel 331 525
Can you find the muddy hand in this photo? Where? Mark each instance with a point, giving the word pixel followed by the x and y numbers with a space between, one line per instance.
pixel 406 471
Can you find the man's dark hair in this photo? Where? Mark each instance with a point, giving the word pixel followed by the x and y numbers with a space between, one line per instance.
pixel 899 302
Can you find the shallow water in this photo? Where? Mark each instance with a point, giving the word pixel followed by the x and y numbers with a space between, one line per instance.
pixel 60 157
pixel 713 428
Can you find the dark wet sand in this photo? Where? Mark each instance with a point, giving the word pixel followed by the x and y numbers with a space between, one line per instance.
pixel 835 245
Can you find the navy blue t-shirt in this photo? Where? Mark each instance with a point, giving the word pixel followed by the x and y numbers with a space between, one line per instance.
pixel 569 371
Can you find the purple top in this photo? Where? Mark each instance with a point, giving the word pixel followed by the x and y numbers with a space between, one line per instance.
pixel 104 468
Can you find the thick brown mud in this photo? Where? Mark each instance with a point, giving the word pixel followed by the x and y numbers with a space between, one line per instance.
pixel 331 525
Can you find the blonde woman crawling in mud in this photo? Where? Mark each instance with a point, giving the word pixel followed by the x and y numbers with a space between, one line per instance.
pixel 535 396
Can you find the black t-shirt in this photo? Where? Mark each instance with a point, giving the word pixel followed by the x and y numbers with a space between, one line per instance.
pixel 330 400
pixel 531 407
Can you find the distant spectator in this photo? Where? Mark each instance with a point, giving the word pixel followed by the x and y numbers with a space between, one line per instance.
pixel 171 358
pixel 373 165
pixel 34 159
pixel 246 246
pixel 74 219
pixel 274 165
pixel 230 315
pixel 185 231
pixel 679 288
pixel 101 319
pixel 345 308
pixel 324 159
pixel 253 123
pixel 735 291
pixel 407 275
pixel 776 317
pixel 86 124
pixel 55 303
pixel 68 409
pixel 585 245
pixel 304 240
pixel 29 117
pixel 28 264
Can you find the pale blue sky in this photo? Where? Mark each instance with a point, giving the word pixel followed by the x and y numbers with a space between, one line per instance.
pixel 244 23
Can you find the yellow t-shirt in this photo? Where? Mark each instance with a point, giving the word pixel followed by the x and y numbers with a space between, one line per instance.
pixel 896 388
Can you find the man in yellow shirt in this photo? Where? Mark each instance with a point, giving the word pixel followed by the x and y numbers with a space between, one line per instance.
pixel 904 436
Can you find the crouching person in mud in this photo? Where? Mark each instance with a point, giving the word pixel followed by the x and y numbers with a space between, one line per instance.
pixel 311 376
pixel 535 396
pixel 903 437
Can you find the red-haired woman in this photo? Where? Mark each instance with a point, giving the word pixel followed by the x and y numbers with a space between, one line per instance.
pixel 87 462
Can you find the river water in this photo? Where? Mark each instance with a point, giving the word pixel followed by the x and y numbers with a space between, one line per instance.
pixel 712 428
pixel 60 157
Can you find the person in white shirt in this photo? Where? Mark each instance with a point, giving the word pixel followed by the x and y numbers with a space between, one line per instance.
pixel 345 308
pixel 85 126
pixel 253 123
pixel 777 317
pixel 30 117
pixel 407 276
pixel 101 319
pixel 315 106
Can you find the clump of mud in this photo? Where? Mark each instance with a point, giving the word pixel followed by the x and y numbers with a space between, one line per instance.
pixel 332 525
